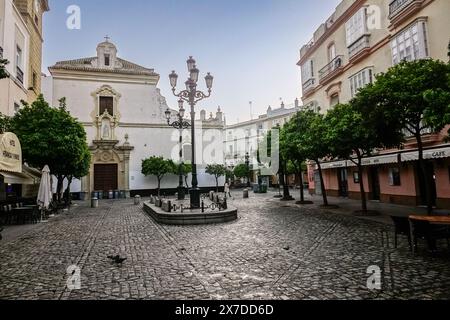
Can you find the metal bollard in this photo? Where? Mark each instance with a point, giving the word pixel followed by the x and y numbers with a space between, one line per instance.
pixel 245 193
pixel 137 200
pixel 94 203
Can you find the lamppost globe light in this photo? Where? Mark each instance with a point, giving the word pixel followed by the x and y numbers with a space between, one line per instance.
pixel 188 84
pixel 180 104
pixel 209 81
pixel 168 114
pixel 173 79
pixel 182 112
pixel 194 74
pixel 190 63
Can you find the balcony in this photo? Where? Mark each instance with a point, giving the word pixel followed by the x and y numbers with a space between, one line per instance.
pixel 19 75
pixel 333 68
pixel 360 45
pixel 397 6
pixel 308 85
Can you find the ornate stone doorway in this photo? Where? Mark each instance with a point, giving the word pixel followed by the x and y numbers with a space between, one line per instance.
pixel 110 167
pixel 106 177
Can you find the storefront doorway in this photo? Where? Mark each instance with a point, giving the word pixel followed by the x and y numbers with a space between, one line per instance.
pixel 431 175
pixel 343 182
pixel 375 183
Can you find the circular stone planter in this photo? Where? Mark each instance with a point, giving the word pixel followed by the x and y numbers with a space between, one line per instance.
pixel 190 217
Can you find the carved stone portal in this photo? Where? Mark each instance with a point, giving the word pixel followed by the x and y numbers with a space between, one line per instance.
pixel 109 152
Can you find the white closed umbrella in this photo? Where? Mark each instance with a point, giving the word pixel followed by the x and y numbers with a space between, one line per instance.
pixel 45 195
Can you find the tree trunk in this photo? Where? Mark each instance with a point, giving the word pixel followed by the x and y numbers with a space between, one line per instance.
pixel 217 184
pixel 423 171
pixel 322 184
pixel 159 187
pixel 59 187
pixel 68 199
pixel 361 184
pixel 302 193
pixel 286 193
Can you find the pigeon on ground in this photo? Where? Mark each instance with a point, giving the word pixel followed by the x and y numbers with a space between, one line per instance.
pixel 117 259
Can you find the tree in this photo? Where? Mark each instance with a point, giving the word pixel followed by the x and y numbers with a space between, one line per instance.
pixel 241 171
pixel 51 136
pixel 416 96
pixel 186 169
pixel 158 167
pixel 355 131
pixel 3 72
pixel 292 146
pixel 216 170
pixel 284 161
pixel 313 143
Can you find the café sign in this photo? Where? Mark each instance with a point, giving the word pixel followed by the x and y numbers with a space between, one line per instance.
pixel 10 153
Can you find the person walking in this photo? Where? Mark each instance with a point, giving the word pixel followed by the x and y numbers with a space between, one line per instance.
pixel 227 190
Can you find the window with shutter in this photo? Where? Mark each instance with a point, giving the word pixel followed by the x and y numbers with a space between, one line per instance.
pixel 106 104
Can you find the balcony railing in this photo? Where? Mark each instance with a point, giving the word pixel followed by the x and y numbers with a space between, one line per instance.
pixel 361 44
pixel 309 85
pixel 334 65
pixel 398 5
pixel 19 75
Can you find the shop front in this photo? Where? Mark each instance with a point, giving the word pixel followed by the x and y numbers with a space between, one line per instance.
pixel 390 178
pixel 16 179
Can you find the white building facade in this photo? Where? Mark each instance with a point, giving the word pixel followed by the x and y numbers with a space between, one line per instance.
pixel 244 137
pixel 123 113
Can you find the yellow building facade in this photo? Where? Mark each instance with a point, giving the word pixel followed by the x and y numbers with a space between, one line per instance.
pixel 359 40
pixel 32 12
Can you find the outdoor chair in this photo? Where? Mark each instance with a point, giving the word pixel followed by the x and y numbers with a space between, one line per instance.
pixel 402 227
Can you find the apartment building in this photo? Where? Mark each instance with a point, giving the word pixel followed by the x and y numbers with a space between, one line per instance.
pixel 243 137
pixel 360 39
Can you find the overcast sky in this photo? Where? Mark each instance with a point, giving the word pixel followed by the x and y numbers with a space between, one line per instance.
pixel 250 46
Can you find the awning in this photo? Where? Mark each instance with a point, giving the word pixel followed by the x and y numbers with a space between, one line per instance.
pixel 436 153
pixel 17 178
pixel 427 154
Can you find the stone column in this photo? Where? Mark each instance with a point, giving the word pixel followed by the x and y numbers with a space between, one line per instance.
pixel 126 159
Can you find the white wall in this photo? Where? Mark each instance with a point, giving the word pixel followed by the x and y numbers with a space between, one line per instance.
pixel 142 108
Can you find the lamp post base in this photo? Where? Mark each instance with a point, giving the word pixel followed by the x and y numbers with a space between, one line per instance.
pixel 181 193
pixel 195 198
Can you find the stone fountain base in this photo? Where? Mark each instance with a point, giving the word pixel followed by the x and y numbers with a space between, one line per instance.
pixel 190 217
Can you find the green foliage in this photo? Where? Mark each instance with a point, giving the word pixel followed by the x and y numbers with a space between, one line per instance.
pixel 5 123
pixel 3 72
pixel 241 171
pixel 415 94
pixel 158 167
pixel 51 136
pixel 216 170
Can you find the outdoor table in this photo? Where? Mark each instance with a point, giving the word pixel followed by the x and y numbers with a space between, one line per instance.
pixel 437 220
pixel 22 212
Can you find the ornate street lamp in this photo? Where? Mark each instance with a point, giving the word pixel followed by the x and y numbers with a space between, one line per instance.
pixel 191 95
pixel 180 124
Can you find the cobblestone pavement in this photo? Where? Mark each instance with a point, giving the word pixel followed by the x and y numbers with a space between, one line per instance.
pixel 274 251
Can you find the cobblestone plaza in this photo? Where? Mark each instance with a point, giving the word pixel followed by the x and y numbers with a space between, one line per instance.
pixel 274 251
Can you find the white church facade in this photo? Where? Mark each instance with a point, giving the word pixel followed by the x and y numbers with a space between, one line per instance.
pixel 123 112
